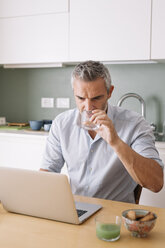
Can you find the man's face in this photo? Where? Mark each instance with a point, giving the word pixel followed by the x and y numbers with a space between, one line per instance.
pixel 91 95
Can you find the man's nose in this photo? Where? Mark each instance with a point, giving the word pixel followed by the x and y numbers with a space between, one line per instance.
pixel 88 105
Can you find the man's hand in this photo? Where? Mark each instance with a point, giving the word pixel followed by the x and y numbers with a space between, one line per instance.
pixel 106 129
pixel 145 171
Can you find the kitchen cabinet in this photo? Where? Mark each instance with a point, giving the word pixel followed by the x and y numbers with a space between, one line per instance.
pixel 158 30
pixel 110 30
pixel 148 197
pixel 15 8
pixel 34 39
pixel 22 150
pixel 39 31
pixel 33 31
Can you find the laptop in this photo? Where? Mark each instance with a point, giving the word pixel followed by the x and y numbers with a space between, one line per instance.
pixel 42 194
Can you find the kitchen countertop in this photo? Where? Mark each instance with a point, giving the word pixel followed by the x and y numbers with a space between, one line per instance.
pixel 160 144
pixel 22 131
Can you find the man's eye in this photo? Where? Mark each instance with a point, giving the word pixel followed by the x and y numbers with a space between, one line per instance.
pixel 80 98
pixel 96 98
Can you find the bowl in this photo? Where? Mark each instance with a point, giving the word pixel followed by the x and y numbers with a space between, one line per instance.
pixel 139 227
pixel 47 122
pixel 47 127
pixel 36 125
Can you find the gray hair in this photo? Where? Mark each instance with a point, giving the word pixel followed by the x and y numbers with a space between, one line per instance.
pixel 90 71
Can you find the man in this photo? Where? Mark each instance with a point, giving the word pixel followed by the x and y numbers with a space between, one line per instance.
pixel 108 162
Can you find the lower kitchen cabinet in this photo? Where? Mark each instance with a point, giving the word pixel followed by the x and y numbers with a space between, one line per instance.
pixel 23 151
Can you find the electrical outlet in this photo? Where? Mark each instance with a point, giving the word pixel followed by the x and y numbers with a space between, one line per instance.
pixel 62 103
pixel 47 102
pixel 2 121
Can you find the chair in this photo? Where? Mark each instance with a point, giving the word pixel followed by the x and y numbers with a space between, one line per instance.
pixel 137 193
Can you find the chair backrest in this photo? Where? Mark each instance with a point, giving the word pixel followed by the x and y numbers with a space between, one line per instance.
pixel 137 193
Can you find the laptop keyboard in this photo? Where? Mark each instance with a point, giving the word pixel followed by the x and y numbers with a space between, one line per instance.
pixel 80 212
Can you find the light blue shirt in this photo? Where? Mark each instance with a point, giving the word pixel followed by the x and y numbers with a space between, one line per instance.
pixel 93 167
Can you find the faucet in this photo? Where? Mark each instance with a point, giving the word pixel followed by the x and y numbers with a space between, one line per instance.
pixel 143 106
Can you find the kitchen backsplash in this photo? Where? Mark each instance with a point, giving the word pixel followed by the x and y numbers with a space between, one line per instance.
pixel 21 90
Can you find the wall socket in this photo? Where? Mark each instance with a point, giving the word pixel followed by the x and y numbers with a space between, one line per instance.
pixel 62 103
pixel 2 121
pixel 47 102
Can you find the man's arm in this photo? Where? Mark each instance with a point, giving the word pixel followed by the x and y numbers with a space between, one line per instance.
pixel 145 171
pixel 52 157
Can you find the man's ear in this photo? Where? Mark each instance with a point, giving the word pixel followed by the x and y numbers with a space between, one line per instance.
pixel 110 91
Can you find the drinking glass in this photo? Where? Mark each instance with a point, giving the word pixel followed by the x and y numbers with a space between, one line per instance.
pixel 86 123
pixel 108 227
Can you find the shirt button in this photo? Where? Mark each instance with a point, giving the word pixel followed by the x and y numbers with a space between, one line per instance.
pixel 91 150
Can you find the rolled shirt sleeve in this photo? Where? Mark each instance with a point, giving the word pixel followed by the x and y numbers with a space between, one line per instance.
pixel 143 142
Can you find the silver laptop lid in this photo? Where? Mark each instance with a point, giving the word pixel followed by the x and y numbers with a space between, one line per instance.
pixel 41 194
pixel 37 193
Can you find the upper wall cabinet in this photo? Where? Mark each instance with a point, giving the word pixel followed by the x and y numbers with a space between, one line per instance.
pixel 14 8
pixel 29 36
pixel 158 30
pixel 34 39
pixel 110 30
pixel 39 31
